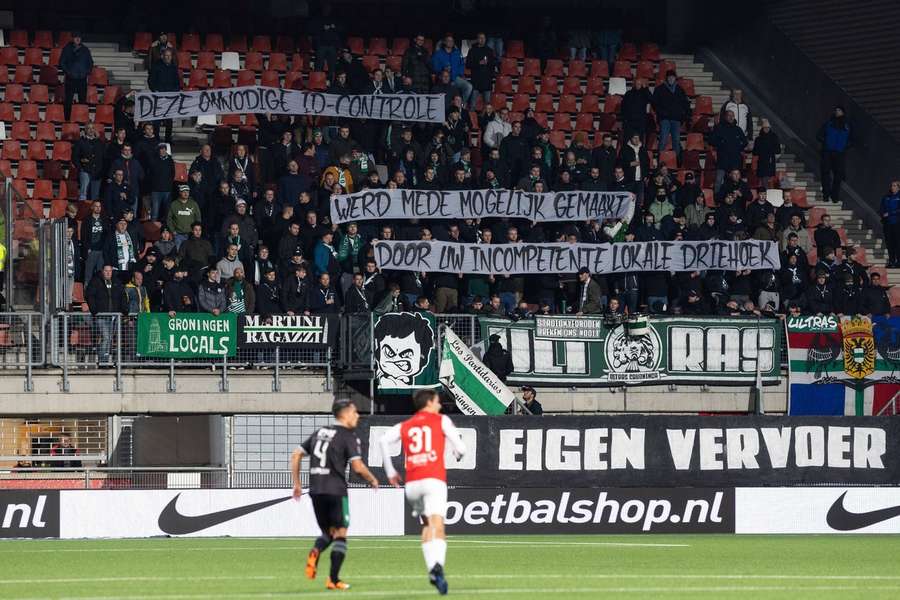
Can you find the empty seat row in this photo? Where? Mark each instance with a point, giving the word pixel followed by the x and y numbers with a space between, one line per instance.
pixel 54 113
pixel 39 93
pixel 26 74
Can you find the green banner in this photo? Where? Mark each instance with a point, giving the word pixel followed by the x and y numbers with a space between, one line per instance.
pixel 405 354
pixel 587 351
pixel 476 389
pixel 187 335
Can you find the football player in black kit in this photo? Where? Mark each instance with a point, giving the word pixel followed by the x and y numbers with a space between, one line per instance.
pixel 330 449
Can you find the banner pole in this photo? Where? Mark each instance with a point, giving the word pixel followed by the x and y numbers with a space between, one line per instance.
pixel 757 384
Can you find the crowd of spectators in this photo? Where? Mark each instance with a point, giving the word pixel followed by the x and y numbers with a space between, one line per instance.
pixel 250 230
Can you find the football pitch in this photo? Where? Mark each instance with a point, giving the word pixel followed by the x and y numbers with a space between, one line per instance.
pixel 514 567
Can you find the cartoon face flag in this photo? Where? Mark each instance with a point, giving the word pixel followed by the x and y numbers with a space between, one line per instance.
pixel 405 357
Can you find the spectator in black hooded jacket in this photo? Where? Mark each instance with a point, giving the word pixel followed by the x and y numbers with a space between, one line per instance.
pixel 417 65
pixel 164 77
pixel 87 155
pixel 482 64
pixel 633 109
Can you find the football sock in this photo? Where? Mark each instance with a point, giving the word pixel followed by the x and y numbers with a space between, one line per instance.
pixel 338 552
pixel 429 551
pixel 440 551
pixel 321 543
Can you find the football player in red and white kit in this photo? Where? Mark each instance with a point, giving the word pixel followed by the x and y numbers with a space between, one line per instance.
pixel 422 438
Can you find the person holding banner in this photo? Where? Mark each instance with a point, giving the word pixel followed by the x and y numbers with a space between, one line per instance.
pixel 164 77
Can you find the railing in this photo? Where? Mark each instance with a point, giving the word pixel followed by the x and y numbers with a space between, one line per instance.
pixel 144 478
pixel 22 343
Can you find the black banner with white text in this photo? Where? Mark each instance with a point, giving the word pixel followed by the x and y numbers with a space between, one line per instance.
pixel 623 257
pixel 662 451
pixel 153 106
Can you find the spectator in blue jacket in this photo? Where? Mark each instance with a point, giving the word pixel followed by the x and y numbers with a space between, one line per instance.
pixel 729 141
pixel 890 219
pixel 76 62
pixel 448 56
pixel 164 77
pixel 835 137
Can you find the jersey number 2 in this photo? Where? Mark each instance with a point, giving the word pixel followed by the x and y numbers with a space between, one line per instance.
pixel 419 439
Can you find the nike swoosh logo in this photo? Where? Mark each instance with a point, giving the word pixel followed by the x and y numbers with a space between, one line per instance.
pixel 840 519
pixel 174 523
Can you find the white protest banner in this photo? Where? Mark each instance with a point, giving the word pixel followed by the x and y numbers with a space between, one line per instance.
pixel 623 257
pixel 152 106
pixel 476 204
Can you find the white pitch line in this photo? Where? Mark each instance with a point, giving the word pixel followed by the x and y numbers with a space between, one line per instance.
pixel 512 591
pixel 526 543
pixel 496 576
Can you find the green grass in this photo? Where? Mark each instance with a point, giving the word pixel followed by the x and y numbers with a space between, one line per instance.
pixel 557 567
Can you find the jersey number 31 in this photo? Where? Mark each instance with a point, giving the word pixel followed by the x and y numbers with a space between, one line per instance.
pixel 419 439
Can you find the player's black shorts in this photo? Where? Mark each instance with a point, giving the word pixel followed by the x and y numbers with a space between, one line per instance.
pixel 331 511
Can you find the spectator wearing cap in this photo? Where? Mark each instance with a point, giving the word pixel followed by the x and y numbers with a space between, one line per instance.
pixel 120 249
pixel 497 358
pixel 162 174
pixel 183 213
pixel 836 137
pixel 729 141
pixel 76 63
pixel 819 299
pixel 268 294
pixel 592 296
pixel 633 109
pixel 890 221
pixel 672 107
pixel 874 299
pixel 846 295
pixel 482 64
pixel 766 147
pixel 165 77
pixel 448 57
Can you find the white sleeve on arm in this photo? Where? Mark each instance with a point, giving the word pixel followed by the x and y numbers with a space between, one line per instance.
pixel 453 436
pixel 391 437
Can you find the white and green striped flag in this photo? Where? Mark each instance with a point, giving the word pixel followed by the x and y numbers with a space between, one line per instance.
pixel 475 387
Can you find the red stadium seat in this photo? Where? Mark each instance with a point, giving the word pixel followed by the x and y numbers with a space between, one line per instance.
pixel 520 103
pixel 184 61
pixel 526 85
pixel 43 190
pixel 549 85
pixel 318 81
pixel 221 79
pixel 4 75
pixel 394 63
pixel 15 92
pixel 544 104
pixel 378 46
pixel 356 45
pixel 278 62
pixel 611 104
pixel 554 67
pixel 30 113
pixel 49 75
pixel 24 74
pixel 600 68
pixel 37 150
pixel 80 114
pixel 595 87
pixel 703 106
pixel 237 43
pixel 46 132
pixel 622 68
pixel 104 114
pixel 690 160
pixel 246 77
pixel 9 56
pixel 142 41
pixel 198 80
pixel 572 85
pixel 645 70
pixel 515 49
pixel 688 86
pixel 71 132
pixel 668 158
pixel 27 170
pixel 261 43
pixel 558 139
pixel 34 56
pixel 111 94
pixel 190 42
pixel 93 97
pixel 270 79
pixel 503 84
pixel 532 67
pixel 371 62
pixel 293 80
pixel 5 168
pixel 628 52
pixel 43 39
pixel 584 122
pixel 206 60
pixel 253 61
pixel 63 38
pixel 20 130
pixel 214 43
pixel 509 66
pixel 695 142
pixel 181 172
pixel 98 76
pixel 650 51
pixel 499 100
pixel 562 122
pixel 606 122
pixel 58 211
pixel 55 113
pixel 578 68
pixel 18 38
pixel 399 46
pixel 299 62
pixel 568 103
pixel 7 112
pixel 590 103
pixel 285 44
